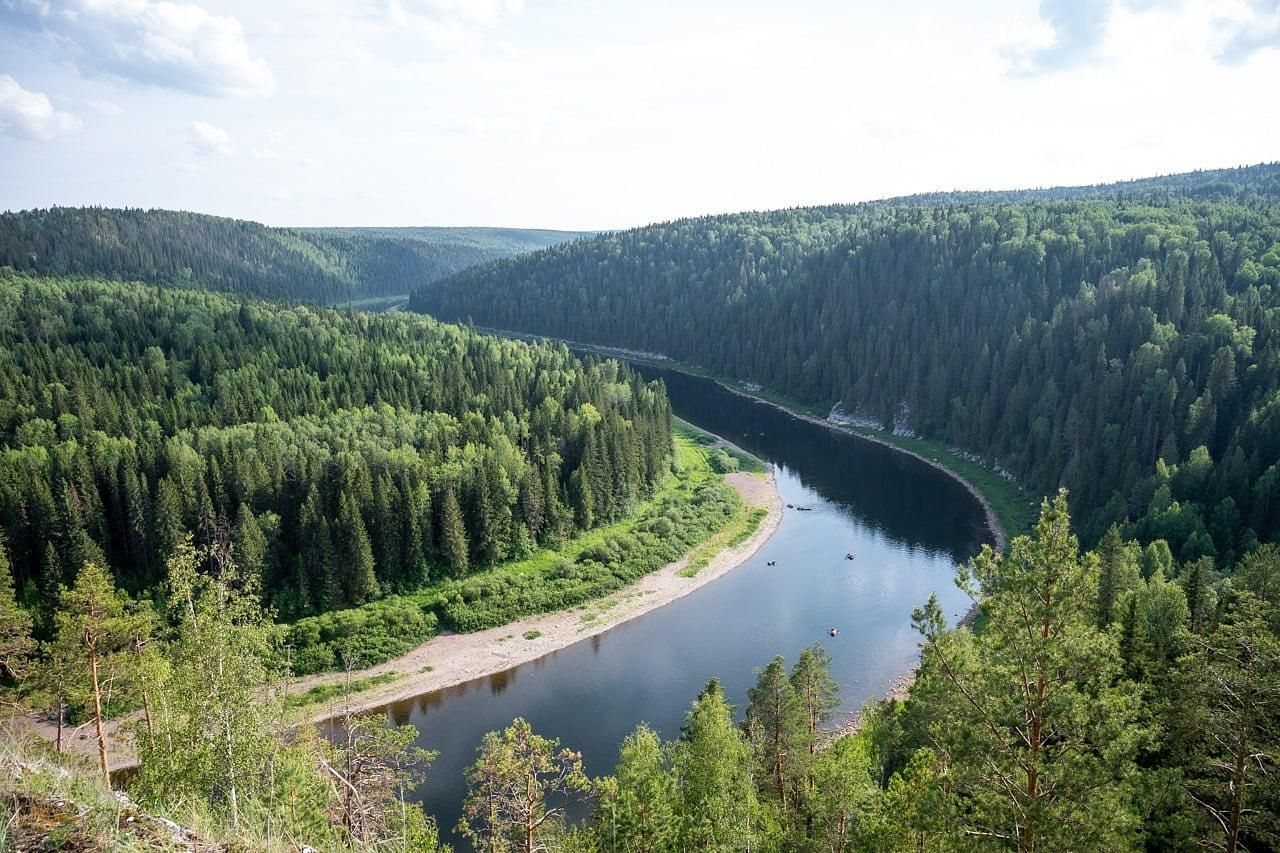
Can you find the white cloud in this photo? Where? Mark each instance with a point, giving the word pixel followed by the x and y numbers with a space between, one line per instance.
pixel 1074 33
pixel 210 140
pixel 449 23
pixel 1256 29
pixel 157 42
pixel 30 114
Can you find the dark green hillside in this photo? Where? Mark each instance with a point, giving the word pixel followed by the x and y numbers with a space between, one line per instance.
pixel 188 249
pixel 1123 341
pixel 338 455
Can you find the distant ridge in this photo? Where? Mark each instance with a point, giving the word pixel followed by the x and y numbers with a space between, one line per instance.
pixel 324 265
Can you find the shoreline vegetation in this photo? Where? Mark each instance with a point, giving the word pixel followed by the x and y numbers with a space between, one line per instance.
pixel 1007 508
pixel 451 658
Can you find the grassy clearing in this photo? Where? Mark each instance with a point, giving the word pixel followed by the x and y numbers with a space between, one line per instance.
pixel 325 692
pixel 745 461
pixel 733 534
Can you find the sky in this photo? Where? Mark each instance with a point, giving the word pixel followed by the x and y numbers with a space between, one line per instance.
pixel 601 114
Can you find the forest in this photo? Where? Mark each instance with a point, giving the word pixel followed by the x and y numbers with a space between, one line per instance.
pixel 1122 342
pixel 178 466
pixel 336 456
pixel 324 265
pixel 1102 700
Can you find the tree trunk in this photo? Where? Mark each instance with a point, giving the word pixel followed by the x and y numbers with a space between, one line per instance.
pixel 97 713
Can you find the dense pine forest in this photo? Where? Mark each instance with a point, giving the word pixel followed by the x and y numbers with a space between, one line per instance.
pixel 1123 342
pixel 325 265
pixel 178 466
pixel 338 456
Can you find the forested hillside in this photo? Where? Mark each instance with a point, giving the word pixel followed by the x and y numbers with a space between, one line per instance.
pixel 334 455
pixel 329 266
pixel 1121 341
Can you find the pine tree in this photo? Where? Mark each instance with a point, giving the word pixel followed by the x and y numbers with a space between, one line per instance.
pixel 517 791
pixel 1049 763
pixel 777 729
pixel 1231 727
pixel 94 634
pixel 453 534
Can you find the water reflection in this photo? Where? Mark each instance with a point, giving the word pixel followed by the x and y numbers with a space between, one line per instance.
pixel 905 523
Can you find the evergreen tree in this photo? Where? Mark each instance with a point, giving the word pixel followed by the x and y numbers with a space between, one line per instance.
pixel 712 765
pixel 508 789
pixel 453 534
pixel 777 728
pixel 94 633
pixel 635 809
pixel 1048 764
pixel 1231 726
pixel 16 644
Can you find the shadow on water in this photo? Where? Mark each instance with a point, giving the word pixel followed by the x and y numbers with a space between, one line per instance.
pixel 906 524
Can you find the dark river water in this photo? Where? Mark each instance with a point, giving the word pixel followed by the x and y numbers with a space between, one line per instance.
pixel 906 523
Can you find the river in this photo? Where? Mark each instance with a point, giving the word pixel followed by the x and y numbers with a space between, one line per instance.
pixel 906 524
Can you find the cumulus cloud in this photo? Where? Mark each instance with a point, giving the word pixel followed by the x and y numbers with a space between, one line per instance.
pixel 210 140
pixel 1258 29
pixel 1077 28
pixel 30 114
pixel 173 45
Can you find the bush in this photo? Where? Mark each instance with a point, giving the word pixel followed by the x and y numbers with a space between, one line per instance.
pixel 364 636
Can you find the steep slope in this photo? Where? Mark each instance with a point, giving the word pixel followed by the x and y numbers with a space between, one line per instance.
pixel 189 249
pixel 1121 340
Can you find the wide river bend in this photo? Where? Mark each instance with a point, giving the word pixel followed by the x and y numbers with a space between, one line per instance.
pixel 905 523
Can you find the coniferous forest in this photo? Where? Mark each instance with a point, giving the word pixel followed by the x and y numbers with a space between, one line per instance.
pixel 180 466
pixel 340 456
pixel 1120 341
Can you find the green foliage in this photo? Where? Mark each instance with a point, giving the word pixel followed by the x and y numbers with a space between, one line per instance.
pixel 635 809
pixel 17 647
pixel 324 692
pixel 211 730
pixel 94 629
pixel 1069 337
pixel 1039 732
pixel 518 789
pixel 369 635
pixel 692 507
pixel 1229 725
pixel 343 456
pixel 712 764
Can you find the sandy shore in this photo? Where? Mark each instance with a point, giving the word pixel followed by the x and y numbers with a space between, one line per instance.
pixel 451 659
